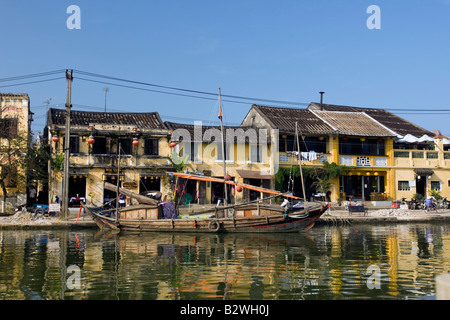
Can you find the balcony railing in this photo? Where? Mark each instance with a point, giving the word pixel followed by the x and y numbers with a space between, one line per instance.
pixel 104 160
pixel 424 158
pixel 363 161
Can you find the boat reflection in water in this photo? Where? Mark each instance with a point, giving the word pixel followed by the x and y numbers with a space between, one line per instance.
pixel 363 262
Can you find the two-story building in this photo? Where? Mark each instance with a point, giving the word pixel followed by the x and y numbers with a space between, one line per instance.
pixel 95 141
pixel 15 136
pixel 247 160
pixel 351 139
pixel 419 158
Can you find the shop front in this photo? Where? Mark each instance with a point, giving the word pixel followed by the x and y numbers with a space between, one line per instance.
pixel 366 186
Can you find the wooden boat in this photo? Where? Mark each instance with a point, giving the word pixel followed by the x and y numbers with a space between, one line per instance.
pixel 245 219
pixel 254 216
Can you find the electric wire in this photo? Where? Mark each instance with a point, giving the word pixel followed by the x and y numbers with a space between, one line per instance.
pixel 34 75
pixel 198 93
pixel 30 82
pixel 189 90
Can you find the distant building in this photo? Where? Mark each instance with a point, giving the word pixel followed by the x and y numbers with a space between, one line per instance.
pixel 15 135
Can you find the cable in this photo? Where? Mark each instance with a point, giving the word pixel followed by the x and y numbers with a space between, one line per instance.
pixel 34 75
pixel 188 90
pixel 198 92
pixel 157 91
pixel 31 82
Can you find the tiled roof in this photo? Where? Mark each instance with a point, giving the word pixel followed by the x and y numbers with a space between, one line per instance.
pixel 354 123
pixel 395 123
pixel 284 119
pixel 148 120
pixel 14 95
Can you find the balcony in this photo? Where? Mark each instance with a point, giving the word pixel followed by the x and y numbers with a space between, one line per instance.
pixel 105 160
pixel 421 158
pixel 363 161
pixel 307 157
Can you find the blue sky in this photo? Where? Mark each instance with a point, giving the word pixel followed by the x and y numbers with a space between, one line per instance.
pixel 278 50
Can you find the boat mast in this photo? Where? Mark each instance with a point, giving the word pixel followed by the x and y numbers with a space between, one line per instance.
pixel 223 151
pixel 300 162
pixel 118 184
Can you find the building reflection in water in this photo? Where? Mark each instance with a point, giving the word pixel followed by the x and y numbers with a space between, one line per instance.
pixel 326 263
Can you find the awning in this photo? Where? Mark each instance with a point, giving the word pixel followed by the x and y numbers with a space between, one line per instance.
pixel 249 174
pixel 423 172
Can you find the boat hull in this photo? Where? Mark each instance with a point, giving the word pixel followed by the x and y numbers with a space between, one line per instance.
pixel 273 222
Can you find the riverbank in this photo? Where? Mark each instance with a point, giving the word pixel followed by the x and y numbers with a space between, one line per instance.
pixel 382 215
pixel 334 216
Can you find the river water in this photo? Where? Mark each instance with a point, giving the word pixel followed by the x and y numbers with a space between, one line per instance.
pixel 393 262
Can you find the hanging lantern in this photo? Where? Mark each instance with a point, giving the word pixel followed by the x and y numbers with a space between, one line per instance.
pixel 135 142
pixel 91 140
pixel 55 138
pixel 238 188
pixel 227 177
pixel 173 144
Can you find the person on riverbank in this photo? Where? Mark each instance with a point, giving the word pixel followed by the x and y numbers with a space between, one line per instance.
pixel 122 199
pixel 429 203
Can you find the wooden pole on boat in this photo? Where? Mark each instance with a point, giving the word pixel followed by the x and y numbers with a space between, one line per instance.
pixel 300 162
pixel 223 151
pixel 118 184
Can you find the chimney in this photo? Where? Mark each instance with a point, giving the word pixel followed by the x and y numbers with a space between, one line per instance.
pixel 321 100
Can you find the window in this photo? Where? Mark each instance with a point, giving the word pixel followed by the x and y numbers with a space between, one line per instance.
pixel 74 144
pixel 126 145
pixel 151 147
pixel 255 153
pixel 9 128
pixel 373 147
pixel 449 183
pixel 435 185
pixel 227 147
pixel 99 147
pixel 403 186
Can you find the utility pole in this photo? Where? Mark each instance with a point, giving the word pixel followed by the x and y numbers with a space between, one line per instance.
pixel 106 91
pixel 65 195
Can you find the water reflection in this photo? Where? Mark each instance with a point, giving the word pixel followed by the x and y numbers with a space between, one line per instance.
pixel 364 262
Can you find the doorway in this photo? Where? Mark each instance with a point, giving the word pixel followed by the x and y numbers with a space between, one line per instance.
pixel 77 189
pixel 421 185
pixel 150 183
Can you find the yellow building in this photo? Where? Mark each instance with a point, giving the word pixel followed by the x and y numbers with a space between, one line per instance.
pixel 247 160
pixel 384 157
pixel 94 154
pixel 15 135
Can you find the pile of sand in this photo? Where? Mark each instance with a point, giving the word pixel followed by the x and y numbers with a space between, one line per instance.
pixel 24 217
pixel 389 213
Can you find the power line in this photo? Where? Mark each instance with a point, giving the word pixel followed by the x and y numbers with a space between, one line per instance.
pixel 188 90
pixel 30 82
pixel 34 75
pixel 194 93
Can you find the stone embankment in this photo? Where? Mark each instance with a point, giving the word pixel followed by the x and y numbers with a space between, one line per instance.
pixel 334 216
pixel 382 215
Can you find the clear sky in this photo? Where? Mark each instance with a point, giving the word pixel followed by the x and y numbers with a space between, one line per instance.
pixel 278 50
